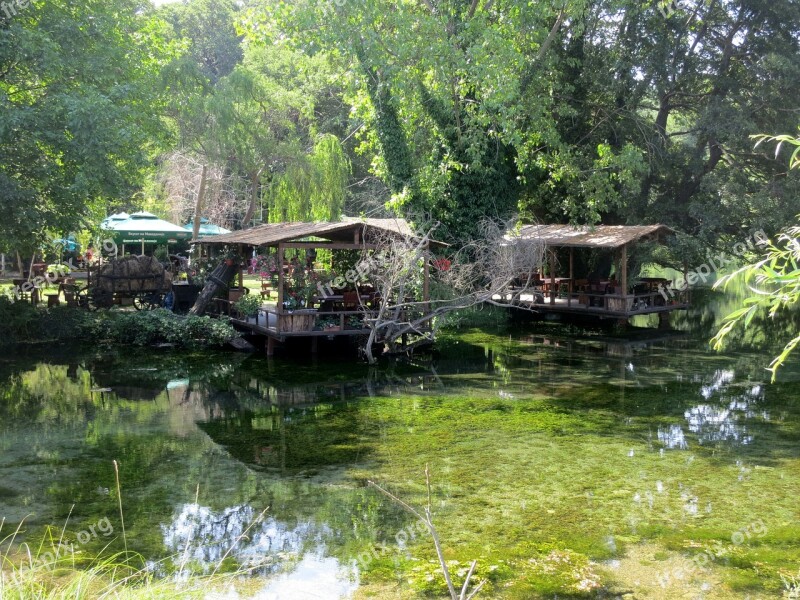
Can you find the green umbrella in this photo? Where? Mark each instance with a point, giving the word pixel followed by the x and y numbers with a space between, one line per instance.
pixel 146 228
pixel 207 228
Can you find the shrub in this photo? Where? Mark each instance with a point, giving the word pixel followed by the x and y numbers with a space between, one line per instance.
pixel 21 322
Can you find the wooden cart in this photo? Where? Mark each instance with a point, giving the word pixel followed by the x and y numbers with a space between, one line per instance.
pixel 141 278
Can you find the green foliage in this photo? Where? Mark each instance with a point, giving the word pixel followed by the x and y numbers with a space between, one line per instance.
pixel 208 29
pixel 248 305
pixel 313 188
pixel 58 568
pixel 426 577
pixel 587 112
pixel 20 322
pixel 774 280
pixel 161 326
pixel 79 111
pixel 775 285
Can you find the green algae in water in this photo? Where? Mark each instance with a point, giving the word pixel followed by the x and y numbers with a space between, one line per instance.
pixel 565 465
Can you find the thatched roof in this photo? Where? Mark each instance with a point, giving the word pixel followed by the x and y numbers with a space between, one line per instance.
pixel 346 230
pixel 599 236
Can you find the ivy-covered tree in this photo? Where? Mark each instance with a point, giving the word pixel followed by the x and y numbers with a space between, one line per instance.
pixel 583 111
pixel 687 88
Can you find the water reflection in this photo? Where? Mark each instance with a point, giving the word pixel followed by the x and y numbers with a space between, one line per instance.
pixel 721 378
pixel 714 424
pixel 314 578
pixel 724 417
pixel 672 437
pixel 301 439
pixel 202 538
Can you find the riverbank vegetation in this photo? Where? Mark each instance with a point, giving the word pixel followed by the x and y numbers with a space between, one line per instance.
pixel 20 322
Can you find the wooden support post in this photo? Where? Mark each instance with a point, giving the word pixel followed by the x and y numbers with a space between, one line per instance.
pixel 552 276
pixel 270 345
pixel 571 276
pixel 241 268
pixel 426 281
pixel 314 344
pixel 624 277
pixel 280 280
pixel 198 205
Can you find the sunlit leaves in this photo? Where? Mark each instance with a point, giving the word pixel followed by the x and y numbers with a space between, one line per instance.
pixel 774 283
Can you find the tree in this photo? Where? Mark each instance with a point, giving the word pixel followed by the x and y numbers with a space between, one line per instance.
pixel 449 123
pixel 79 111
pixel 209 28
pixel 774 280
pixel 680 88
pixel 581 111
pixel 271 122
pixel 482 271
pixel 313 188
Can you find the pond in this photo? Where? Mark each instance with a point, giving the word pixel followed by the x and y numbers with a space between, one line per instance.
pixel 569 463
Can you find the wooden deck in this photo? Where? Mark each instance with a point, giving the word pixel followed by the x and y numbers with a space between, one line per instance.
pixel 279 326
pixel 610 306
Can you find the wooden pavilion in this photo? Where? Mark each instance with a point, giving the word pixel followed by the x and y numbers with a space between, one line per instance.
pixel 278 323
pixel 597 297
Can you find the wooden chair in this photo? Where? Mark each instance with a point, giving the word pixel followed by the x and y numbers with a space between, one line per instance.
pixel 350 300
pixel 266 289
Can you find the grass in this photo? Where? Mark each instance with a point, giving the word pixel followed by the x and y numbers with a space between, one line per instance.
pixel 58 569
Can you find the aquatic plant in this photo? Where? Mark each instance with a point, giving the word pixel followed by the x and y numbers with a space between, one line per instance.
pixel 426 517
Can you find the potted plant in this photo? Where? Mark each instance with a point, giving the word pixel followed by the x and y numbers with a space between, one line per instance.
pixel 230 256
pixel 355 322
pixel 247 306
pixel 328 323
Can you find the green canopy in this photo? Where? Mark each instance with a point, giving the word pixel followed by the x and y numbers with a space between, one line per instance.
pixel 146 228
pixel 207 228
pixel 113 219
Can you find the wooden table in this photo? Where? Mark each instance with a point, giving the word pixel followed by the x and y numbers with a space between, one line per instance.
pixel 653 283
pixel 547 282
pixel 23 293
pixel 337 299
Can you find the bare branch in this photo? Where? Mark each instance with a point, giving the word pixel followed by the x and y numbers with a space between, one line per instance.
pixel 483 270
pixel 428 521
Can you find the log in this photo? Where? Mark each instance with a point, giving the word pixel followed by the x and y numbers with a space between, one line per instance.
pixel 219 278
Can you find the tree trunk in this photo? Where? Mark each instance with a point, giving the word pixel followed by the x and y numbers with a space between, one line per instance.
pixel 198 206
pixel 251 209
pixel 219 278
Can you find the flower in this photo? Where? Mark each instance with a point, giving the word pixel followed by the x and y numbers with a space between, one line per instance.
pixel 442 264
